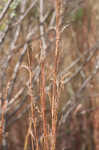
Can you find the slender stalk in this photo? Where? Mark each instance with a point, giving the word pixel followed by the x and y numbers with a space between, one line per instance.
pixel 43 106
pixel 43 81
pixel 55 88
pixel 32 105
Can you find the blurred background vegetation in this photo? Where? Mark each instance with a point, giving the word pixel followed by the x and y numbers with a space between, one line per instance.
pixel 27 27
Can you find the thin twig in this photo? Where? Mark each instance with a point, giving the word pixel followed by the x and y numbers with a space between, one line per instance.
pixel 3 13
pixel 43 80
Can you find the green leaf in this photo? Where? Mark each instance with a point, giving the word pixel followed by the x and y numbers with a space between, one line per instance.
pixel 5 0
pixel 2 27
pixel 78 15
pixel 13 14
pixel 15 4
pixel 1 8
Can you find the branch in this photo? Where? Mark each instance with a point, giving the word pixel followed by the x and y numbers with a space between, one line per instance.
pixel 15 72
pixel 3 13
pixel 71 105
pixel 26 13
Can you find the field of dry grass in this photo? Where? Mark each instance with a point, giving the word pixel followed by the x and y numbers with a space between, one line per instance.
pixel 49 75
